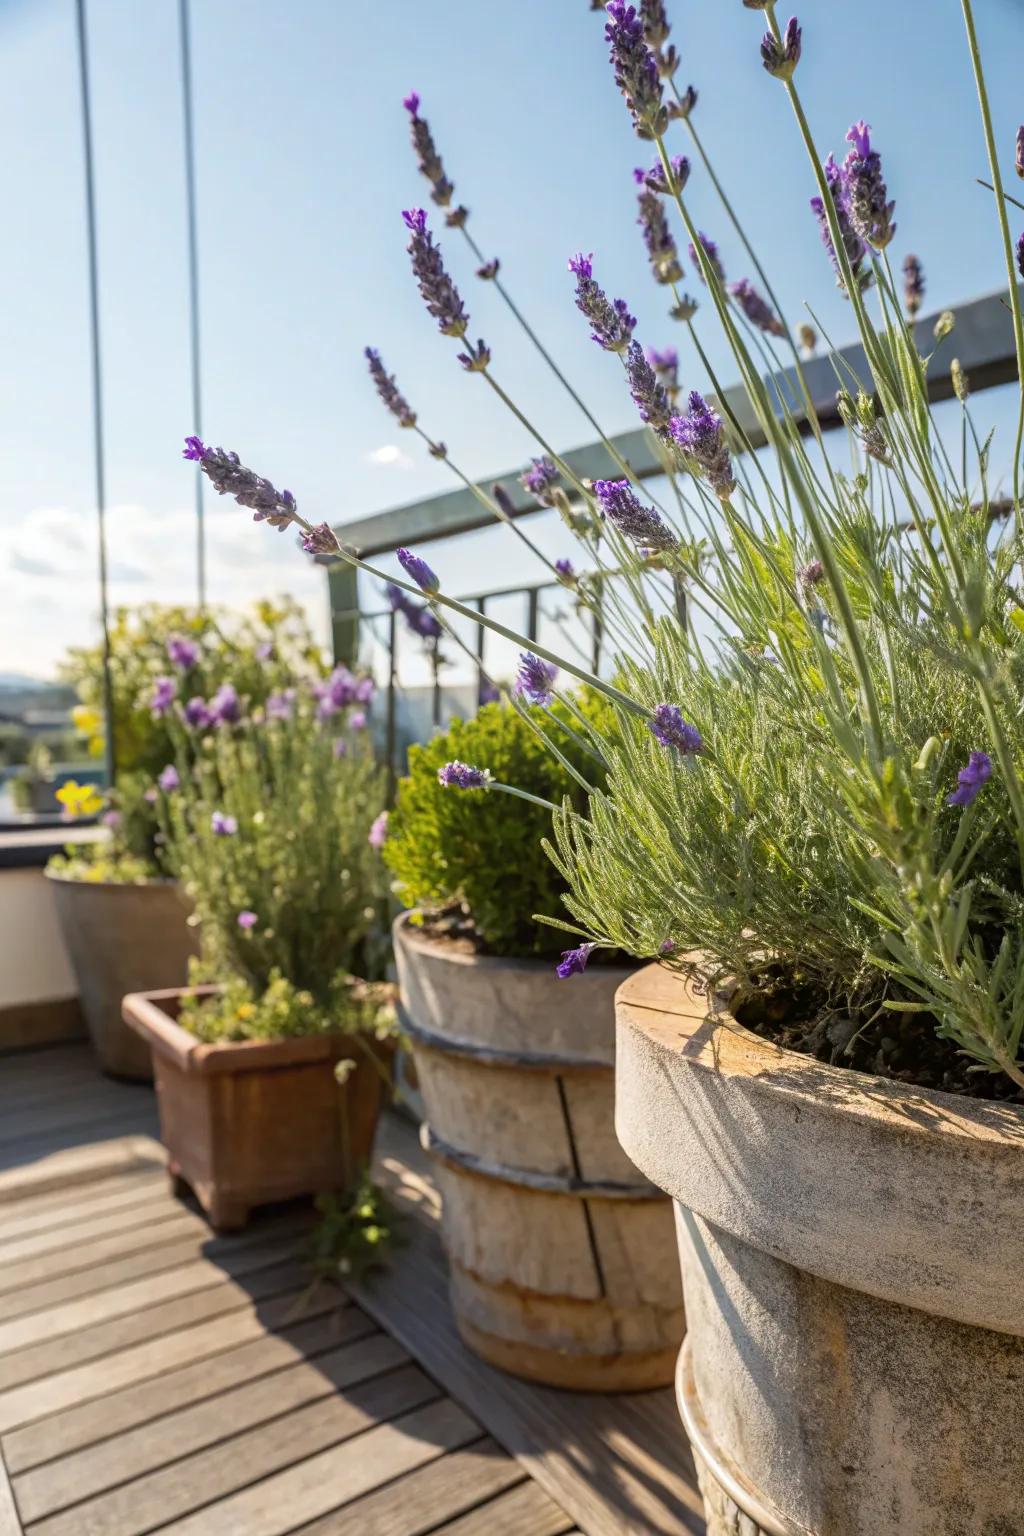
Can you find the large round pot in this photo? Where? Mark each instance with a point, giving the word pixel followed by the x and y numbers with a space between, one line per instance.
pixel 562 1256
pixel 852 1252
pixel 122 938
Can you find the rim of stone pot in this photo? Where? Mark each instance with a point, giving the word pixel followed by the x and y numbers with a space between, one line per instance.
pixel 414 938
pixel 910 1194
pixel 162 882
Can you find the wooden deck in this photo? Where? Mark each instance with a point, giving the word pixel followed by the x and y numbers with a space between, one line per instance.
pixel 156 1377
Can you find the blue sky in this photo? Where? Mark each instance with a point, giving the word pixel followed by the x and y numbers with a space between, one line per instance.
pixel 303 166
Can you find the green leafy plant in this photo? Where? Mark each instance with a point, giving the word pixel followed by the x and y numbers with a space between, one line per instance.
pixel 479 851
pixel 356 1232
pixel 279 1010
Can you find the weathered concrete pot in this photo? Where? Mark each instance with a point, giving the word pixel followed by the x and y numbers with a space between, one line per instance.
pixel 562 1257
pixel 252 1122
pixel 852 1253
pixel 122 938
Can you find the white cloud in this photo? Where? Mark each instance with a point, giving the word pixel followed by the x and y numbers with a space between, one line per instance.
pixel 389 453
pixel 49 595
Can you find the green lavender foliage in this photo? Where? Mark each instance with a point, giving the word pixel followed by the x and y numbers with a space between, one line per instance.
pixel 300 859
pixel 481 848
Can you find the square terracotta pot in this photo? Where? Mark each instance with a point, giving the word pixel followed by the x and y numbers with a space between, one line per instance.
pixel 252 1122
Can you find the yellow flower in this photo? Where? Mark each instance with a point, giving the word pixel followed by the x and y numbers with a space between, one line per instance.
pixel 87 720
pixel 80 799
pixel 246 1012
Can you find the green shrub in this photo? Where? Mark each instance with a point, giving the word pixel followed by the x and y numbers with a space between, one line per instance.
pixel 482 849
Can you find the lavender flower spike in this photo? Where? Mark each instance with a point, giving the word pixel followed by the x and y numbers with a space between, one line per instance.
pixel 612 324
pixel 699 434
pixel 535 679
pixel 810 574
pixel 655 181
pixel 541 480
pixel 913 285
pixel 636 69
pixel 865 193
pixel 649 395
pixel 165 691
pixel 574 961
pixel 970 779
pixel 419 571
pixel 321 540
pixel 388 390
pixel 1020 255
pixel 566 573
pixel 661 247
pixel 456 775
pixel 756 309
pixel 618 501
pixel 437 289
pixel 222 825
pixel 669 729
pixel 428 159
pixel 710 250
pixel 230 477
pixel 666 365
pixel 1020 152
pixel 782 59
pixel 853 245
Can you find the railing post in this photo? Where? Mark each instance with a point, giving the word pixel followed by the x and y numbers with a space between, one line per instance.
pixel 391 734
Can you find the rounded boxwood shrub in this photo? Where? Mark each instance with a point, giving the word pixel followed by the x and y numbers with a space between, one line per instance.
pixel 481 849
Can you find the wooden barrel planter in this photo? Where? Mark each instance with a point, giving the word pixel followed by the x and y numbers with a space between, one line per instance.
pixel 563 1266
pixel 122 938
pixel 851 1252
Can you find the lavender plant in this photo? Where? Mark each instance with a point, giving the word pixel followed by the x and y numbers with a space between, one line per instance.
pixel 812 795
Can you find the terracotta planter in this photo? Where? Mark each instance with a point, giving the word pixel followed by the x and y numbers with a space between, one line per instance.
pixel 253 1122
pixel 562 1257
pixel 852 1252
pixel 122 938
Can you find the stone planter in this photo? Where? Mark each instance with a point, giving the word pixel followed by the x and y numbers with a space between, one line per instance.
pixel 562 1257
pixel 248 1123
pixel 122 938
pixel 852 1252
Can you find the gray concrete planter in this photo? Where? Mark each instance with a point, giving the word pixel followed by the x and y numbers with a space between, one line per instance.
pixel 122 938
pixel 852 1254
pixel 562 1256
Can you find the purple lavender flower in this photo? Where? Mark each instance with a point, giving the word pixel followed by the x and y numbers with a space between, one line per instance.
pixel 320 539
pixel 535 678
pixel 151 795
pixel 378 832
pixel 541 480
pixel 685 309
pixel 1020 255
pixel 1020 152
pixel 195 449
pixel 574 961
pixel 419 571
pixel 856 250
pixel 197 713
pixel 699 434
pixel 612 323
pixel 666 367
pixel 388 390
pixel 617 500
pixel 112 820
pixel 810 574
pixel 649 396
pixel 913 285
pixel 684 105
pixel 756 309
pixel 339 689
pixel 661 247
pixel 182 652
pixel 222 825
pixel 168 779
pixel 340 748
pixel 970 779
pixel 489 271
pixel 357 720
pixel 456 775
pixel 710 250
pixel 864 188
pixel 230 477
pixel 423 623
pixel 264 650
pixel 636 69
pixel 225 706
pixel 666 946
pixel 437 289
pixel 655 22
pixel 655 181
pixel 782 60
pixel 427 156
pixel 247 921
pixel 488 692
pixel 281 706
pixel 365 690
pixel 566 572
pixel 164 692
pixel 670 729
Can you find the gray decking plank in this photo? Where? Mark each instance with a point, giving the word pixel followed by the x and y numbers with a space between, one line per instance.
pixel 45 1211
pixel 134 1452
pixel 420 1501
pixel 523 1511
pixel 167 1227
